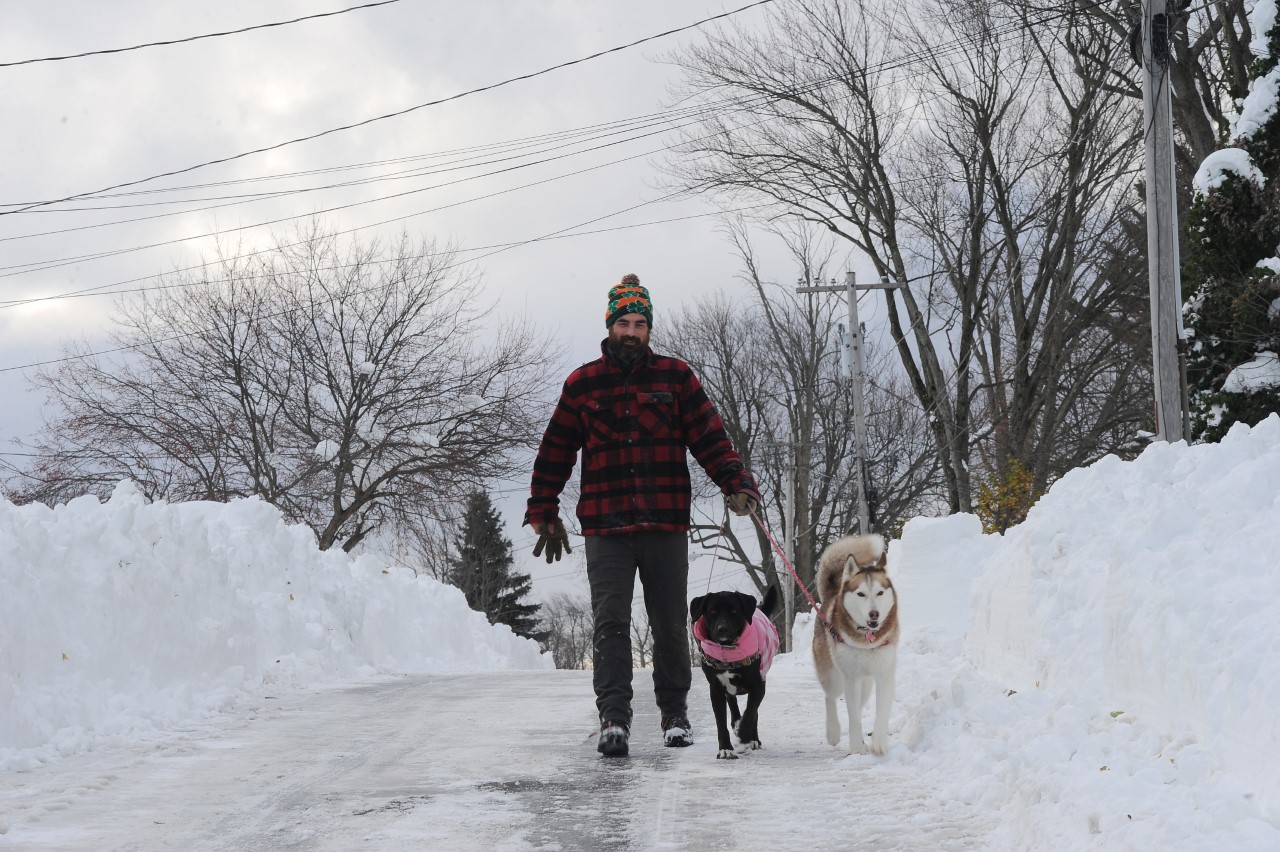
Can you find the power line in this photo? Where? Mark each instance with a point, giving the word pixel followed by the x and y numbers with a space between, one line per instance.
pixel 811 86
pixel 197 37
pixel 100 292
pixel 396 114
pixel 593 131
pixel 743 106
pixel 266 196
pixel 184 335
pixel 692 113
pixel 36 266
pixel 573 136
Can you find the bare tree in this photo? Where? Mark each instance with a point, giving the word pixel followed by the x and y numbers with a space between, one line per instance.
pixel 771 361
pixel 352 387
pixel 973 160
pixel 566 620
pixel 641 639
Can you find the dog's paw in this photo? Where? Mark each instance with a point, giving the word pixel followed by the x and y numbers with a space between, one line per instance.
pixel 879 745
pixel 833 733
pixel 726 754
pixel 752 745
pixel 857 747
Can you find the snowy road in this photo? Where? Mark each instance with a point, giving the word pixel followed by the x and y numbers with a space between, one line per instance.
pixel 502 761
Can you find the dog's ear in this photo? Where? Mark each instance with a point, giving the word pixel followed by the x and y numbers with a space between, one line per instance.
pixel 695 607
pixel 883 564
pixel 748 603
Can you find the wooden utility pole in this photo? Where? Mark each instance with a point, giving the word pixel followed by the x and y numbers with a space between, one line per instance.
pixel 1162 220
pixel 853 347
pixel 789 547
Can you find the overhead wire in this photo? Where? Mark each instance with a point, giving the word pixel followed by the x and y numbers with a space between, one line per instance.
pixel 478 149
pixel 395 114
pixel 665 127
pixel 499 250
pixel 746 105
pixel 93 292
pixel 196 37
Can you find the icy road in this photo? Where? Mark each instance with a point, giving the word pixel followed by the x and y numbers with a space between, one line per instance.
pixel 502 761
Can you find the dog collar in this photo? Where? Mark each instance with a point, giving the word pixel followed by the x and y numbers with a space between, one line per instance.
pixel 725 665
pixel 869 636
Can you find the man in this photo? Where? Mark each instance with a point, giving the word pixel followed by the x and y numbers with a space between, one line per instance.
pixel 633 414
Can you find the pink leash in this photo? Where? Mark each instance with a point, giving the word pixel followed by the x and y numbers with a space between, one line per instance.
pixel 817 610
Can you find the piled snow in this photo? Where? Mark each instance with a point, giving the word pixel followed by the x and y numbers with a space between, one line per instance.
pixel 1105 675
pixel 1259 374
pixel 122 619
pixel 1261 20
pixel 1148 589
pixel 1258 106
pixel 1219 165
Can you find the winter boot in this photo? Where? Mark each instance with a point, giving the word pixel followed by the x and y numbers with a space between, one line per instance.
pixel 613 739
pixel 676 731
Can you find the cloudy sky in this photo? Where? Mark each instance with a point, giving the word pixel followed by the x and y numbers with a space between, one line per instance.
pixel 80 125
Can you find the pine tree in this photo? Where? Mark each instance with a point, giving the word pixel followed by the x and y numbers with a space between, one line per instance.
pixel 482 570
pixel 1232 262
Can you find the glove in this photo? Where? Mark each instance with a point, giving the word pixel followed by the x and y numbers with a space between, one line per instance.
pixel 742 503
pixel 553 537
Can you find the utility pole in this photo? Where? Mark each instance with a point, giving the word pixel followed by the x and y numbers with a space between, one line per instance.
pixel 853 349
pixel 1162 220
pixel 789 547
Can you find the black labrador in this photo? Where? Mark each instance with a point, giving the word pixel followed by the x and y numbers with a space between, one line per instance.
pixel 737 647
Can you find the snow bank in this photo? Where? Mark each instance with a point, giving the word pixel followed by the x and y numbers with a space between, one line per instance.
pixel 1150 587
pixel 123 618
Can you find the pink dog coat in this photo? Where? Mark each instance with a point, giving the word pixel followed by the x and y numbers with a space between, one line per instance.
pixel 759 639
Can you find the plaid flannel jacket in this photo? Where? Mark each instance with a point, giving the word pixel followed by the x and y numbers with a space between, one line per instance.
pixel 633 431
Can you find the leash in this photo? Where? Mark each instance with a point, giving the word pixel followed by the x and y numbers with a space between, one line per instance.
pixel 817 610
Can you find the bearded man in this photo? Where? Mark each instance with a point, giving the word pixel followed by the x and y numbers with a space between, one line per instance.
pixel 635 416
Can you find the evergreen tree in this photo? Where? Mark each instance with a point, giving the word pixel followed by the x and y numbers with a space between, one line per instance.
pixel 482 570
pixel 1232 262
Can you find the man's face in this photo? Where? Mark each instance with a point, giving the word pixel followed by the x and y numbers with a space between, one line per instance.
pixel 629 333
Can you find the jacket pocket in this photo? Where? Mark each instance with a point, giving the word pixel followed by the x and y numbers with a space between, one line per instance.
pixel 656 413
pixel 599 421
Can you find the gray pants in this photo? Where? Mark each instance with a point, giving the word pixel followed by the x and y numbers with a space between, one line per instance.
pixel 662 559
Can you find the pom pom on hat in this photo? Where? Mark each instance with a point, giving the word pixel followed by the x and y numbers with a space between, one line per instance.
pixel 628 297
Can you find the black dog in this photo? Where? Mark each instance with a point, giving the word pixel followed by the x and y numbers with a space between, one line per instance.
pixel 738 643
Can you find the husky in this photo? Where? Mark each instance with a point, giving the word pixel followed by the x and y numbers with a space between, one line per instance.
pixel 857 646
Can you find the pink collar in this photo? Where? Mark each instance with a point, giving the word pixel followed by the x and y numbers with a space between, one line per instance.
pixel 759 639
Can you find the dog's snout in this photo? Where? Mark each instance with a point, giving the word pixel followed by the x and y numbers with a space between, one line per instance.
pixel 874 614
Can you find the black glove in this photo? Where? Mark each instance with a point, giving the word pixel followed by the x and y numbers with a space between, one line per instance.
pixel 742 503
pixel 554 538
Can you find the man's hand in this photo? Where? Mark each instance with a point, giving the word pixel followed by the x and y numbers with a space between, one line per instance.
pixel 742 503
pixel 553 537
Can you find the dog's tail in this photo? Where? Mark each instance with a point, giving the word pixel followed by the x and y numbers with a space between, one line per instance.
pixel 847 554
pixel 770 603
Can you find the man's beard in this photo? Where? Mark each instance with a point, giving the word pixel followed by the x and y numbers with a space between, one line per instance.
pixel 627 347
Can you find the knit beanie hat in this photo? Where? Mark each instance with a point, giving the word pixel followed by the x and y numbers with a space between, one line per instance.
pixel 628 298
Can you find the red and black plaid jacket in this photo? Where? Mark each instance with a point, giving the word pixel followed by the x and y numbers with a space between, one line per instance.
pixel 633 431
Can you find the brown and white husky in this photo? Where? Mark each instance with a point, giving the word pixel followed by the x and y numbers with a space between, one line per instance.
pixel 858 645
